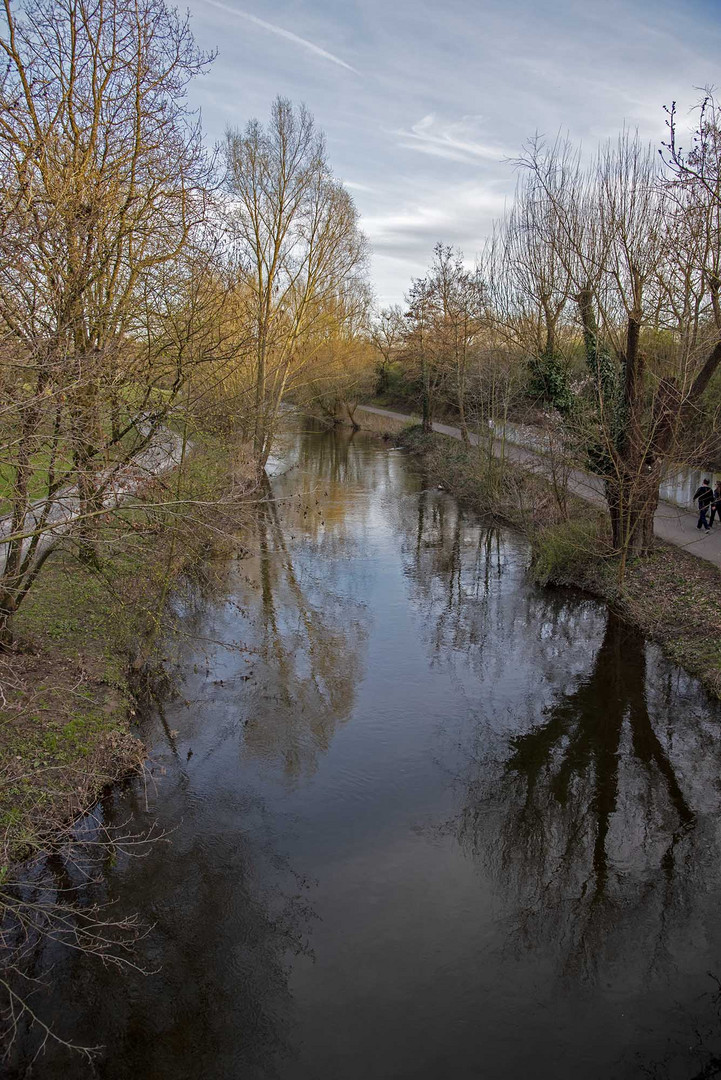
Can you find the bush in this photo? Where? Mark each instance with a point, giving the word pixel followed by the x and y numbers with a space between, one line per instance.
pixel 549 382
pixel 573 553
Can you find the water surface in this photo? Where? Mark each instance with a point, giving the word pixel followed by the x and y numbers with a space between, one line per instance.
pixel 424 820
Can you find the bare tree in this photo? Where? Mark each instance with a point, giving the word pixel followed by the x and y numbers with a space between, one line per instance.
pixel 537 292
pixel 387 331
pixel 446 311
pixel 103 182
pixel 459 304
pixel 297 231
pixel 418 350
pixel 699 166
pixel 636 252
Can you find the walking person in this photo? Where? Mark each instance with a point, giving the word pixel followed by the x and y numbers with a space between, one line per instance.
pixel 705 496
pixel 716 504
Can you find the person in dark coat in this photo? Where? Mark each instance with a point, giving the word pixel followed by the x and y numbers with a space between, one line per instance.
pixel 705 497
pixel 716 504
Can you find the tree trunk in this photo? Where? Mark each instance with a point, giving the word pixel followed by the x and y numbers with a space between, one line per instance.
pixel 462 403
pixel 632 503
pixel 88 504
pixel 8 607
pixel 426 398
pixel 259 432
pixel 351 410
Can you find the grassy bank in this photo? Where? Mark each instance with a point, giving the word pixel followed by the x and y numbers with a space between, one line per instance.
pixel 498 487
pixel 86 635
pixel 674 597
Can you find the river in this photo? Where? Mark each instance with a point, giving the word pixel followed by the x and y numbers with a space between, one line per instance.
pixel 422 819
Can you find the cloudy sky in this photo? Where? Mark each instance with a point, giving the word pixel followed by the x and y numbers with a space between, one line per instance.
pixel 425 101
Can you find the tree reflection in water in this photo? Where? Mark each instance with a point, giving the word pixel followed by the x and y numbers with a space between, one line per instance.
pixel 451 560
pixel 595 806
pixel 207 992
pixel 463 573
pixel 589 822
pixel 586 772
pixel 308 642
pixel 323 453
pixel 226 940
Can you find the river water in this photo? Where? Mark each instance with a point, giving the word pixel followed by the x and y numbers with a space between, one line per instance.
pixel 423 820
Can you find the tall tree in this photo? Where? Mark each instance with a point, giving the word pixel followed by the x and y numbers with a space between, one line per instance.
pixel 641 251
pixel 458 299
pixel 297 230
pixel 536 291
pixel 103 182
pixel 418 347
pixel 445 316
pixel 387 331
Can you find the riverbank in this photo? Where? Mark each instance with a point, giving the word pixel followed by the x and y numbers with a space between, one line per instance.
pixel 672 523
pixel 673 596
pixel 86 650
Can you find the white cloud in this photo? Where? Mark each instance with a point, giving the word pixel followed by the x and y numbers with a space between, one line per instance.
pixel 459 215
pixel 352 185
pixel 454 141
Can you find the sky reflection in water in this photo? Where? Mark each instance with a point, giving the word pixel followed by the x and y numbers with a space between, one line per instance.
pixel 427 820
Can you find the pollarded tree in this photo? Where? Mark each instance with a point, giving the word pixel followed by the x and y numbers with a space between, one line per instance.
pixel 538 288
pixel 637 254
pixel 697 168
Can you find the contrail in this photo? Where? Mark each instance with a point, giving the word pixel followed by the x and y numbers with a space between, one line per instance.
pixel 284 34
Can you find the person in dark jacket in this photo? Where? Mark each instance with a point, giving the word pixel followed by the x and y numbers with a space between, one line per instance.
pixel 716 504
pixel 705 497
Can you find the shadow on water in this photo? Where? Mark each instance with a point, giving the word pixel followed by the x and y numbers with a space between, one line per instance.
pixel 599 823
pixel 207 989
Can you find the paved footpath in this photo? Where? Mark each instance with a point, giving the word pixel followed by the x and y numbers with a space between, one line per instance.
pixel 671 523
pixel 163 452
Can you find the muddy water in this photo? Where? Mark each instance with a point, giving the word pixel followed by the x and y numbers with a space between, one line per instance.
pixel 423 820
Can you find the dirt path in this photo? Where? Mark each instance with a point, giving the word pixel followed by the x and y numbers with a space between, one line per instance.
pixel 671 523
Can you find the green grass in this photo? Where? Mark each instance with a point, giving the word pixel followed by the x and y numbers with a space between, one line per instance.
pixel 40 462
pixel 574 552
pixel 39 476
pixel 66 730
pixel 676 599
pixel 64 733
